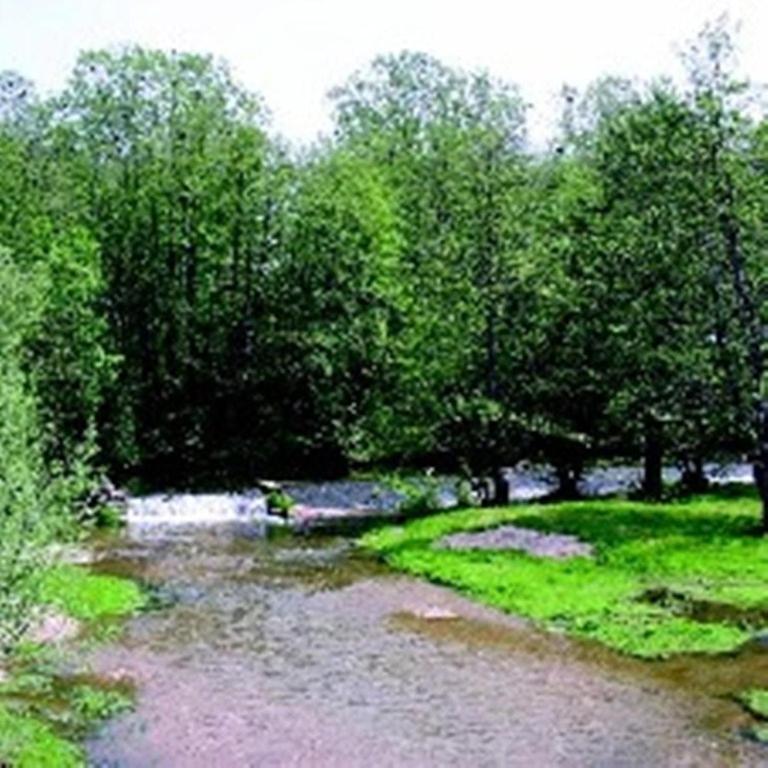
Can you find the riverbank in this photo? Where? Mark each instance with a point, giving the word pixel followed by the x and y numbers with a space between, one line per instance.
pixel 684 577
pixel 49 700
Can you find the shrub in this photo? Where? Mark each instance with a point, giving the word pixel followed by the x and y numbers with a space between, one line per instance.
pixel 279 503
pixel 22 476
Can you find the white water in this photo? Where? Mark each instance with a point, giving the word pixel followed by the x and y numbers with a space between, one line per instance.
pixel 196 509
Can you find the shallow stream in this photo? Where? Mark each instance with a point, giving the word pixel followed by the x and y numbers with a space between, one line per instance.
pixel 303 652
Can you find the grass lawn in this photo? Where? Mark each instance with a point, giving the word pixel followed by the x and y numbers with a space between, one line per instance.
pixel 688 576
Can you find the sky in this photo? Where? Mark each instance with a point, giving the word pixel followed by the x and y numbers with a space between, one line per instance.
pixel 293 51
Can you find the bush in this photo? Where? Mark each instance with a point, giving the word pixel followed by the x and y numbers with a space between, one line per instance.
pixel 53 370
pixel 420 494
pixel 22 477
pixel 279 503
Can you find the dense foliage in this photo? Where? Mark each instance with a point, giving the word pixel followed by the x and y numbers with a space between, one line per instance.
pixel 187 301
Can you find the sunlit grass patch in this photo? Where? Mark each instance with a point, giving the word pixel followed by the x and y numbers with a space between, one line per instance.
pixel 703 551
pixel 26 742
pixel 756 701
pixel 43 717
pixel 84 595
pixel 45 714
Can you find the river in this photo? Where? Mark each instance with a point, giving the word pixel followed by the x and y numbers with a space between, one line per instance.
pixel 297 651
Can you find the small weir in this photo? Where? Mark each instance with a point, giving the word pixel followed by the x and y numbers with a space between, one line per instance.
pixel 187 509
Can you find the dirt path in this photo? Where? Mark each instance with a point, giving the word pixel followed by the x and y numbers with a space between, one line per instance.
pixel 299 654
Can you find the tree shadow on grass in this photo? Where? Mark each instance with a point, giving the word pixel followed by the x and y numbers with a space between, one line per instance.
pixel 613 522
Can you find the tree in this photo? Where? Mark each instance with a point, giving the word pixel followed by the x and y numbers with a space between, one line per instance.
pixel 22 473
pixel 734 202
pixel 450 144
pixel 334 301
pixel 660 303
pixel 172 159
pixel 557 355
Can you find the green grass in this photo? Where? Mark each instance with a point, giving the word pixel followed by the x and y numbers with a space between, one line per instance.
pixel 44 715
pixel 92 705
pixel 84 595
pixel 756 701
pixel 26 742
pixel 702 553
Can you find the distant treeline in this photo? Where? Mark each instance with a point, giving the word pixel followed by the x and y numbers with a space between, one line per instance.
pixel 208 304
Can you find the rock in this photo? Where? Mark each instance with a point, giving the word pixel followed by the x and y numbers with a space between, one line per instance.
pixel 306 518
pixel 106 494
pixel 119 676
pixel 74 555
pixel 53 628
pixel 555 545
pixel 436 613
pixel 269 486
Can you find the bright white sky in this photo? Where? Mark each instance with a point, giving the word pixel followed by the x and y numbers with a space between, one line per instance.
pixel 294 51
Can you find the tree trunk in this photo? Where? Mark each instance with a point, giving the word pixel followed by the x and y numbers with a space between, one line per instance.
pixel 568 476
pixel 501 488
pixel 760 463
pixel 652 459
pixel 694 479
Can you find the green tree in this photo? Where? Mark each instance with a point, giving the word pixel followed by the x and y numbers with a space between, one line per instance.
pixel 734 205
pixel 450 145
pixel 22 475
pixel 172 158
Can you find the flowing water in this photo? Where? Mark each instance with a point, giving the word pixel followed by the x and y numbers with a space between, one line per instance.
pixel 302 652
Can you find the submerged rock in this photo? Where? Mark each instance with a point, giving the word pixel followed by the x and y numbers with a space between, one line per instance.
pixel 73 554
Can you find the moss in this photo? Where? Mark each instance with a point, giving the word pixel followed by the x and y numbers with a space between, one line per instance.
pixel 760 733
pixel 699 549
pixel 85 595
pixel 26 742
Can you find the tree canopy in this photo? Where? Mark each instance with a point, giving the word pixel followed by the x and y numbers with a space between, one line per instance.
pixel 419 288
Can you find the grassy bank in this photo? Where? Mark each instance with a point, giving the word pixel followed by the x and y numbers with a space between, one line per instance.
pixel 755 702
pixel 689 576
pixel 44 714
